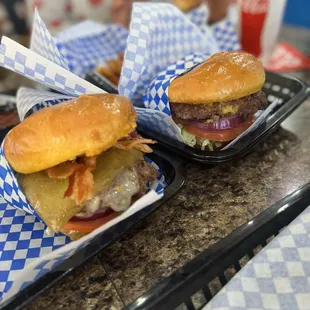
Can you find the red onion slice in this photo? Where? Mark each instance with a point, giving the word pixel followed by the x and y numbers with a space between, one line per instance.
pixel 223 123
pixel 95 216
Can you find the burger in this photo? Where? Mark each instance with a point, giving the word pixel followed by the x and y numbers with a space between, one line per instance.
pixel 215 102
pixel 80 163
pixel 187 5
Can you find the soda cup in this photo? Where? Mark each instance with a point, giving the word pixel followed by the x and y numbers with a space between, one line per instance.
pixel 259 25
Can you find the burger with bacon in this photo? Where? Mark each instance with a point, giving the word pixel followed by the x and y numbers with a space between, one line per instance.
pixel 80 163
pixel 215 102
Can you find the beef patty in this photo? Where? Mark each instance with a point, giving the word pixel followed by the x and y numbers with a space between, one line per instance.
pixel 244 106
pixel 146 173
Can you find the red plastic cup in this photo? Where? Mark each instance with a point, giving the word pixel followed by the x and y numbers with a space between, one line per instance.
pixel 260 22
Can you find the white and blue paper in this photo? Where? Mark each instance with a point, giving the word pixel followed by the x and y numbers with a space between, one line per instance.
pixel 89 44
pixel 156 98
pixel 159 35
pixel 199 16
pixel 27 252
pixel 81 47
pixel 277 278
pixel 225 35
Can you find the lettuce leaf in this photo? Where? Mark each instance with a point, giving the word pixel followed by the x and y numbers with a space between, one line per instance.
pixel 194 141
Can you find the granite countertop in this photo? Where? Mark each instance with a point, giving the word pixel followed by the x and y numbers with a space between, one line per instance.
pixel 213 203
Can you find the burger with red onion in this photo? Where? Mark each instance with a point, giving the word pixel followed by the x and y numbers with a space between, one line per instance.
pixel 80 163
pixel 216 101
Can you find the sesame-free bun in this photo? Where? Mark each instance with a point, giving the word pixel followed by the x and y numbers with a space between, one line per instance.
pixel 223 77
pixel 87 125
pixel 187 5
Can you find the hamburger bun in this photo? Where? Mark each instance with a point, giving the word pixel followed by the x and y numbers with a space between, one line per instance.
pixel 187 5
pixel 223 77
pixel 87 125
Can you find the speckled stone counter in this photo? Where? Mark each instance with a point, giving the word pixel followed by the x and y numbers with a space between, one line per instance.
pixel 213 203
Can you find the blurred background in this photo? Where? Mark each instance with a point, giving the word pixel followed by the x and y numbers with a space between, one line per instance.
pixel 16 18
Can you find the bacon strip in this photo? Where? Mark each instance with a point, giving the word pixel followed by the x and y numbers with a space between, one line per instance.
pixel 89 162
pixel 81 186
pixel 79 172
pixel 134 140
pixel 81 180
pixel 63 170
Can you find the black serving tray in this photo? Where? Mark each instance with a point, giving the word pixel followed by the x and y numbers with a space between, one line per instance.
pixel 289 90
pixel 179 290
pixel 175 174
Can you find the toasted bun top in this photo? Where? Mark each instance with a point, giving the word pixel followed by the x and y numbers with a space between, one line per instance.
pixel 87 126
pixel 223 77
pixel 187 5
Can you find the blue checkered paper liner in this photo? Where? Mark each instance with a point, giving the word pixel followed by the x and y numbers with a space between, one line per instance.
pixel 156 96
pixel 27 251
pixel 29 99
pixel 81 47
pixel 86 45
pixel 152 120
pixel 223 32
pixel 277 278
pixel 199 16
pixel 157 115
pixel 44 64
pixel 44 44
pixel 10 189
pixel 159 35
pixel 225 35
pixel 22 239
pixel 23 61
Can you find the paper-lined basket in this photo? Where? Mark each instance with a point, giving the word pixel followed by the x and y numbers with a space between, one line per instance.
pixel 28 252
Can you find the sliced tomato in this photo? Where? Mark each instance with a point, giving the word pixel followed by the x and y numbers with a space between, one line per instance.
pixel 220 135
pixel 88 226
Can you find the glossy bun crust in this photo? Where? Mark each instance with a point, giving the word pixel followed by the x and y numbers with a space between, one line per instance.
pixel 223 77
pixel 187 5
pixel 87 126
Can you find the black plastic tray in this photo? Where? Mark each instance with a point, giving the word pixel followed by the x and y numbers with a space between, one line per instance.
pixel 181 288
pixel 175 175
pixel 289 90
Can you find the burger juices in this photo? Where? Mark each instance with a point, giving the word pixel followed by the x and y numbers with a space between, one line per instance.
pixel 216 101
pixel 80 163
